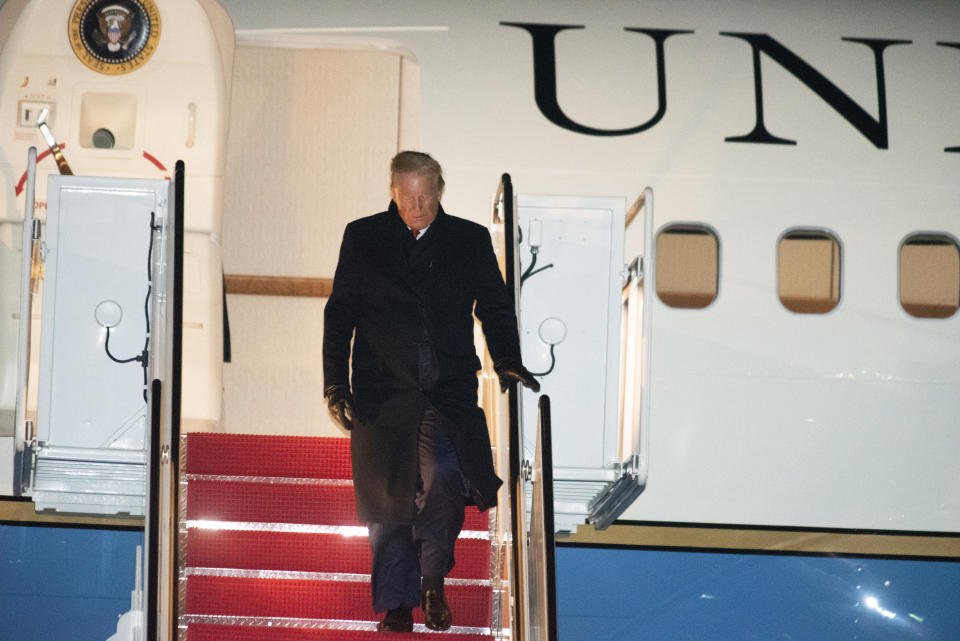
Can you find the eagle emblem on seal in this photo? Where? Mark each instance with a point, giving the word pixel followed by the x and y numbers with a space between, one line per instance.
pixel 116 27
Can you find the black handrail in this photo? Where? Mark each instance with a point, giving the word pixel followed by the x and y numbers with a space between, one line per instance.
pixel 542 529
pixel 164 436
pixel 504 195
pixel 176 368
pixel 540 584
pixel 177 364
pixel 152 605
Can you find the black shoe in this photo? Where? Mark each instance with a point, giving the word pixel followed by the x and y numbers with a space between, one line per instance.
pixel 436 612
pixel 397 620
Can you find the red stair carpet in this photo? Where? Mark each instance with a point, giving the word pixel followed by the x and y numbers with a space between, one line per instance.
pixel 271 548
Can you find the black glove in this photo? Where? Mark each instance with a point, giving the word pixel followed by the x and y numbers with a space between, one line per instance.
pixel 509 371
pixel 340 404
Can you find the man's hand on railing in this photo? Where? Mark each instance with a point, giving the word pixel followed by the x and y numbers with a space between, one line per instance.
pixel 509 371
pixel 340 403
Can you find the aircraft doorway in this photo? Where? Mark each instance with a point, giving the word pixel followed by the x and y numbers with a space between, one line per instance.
pixel 314 124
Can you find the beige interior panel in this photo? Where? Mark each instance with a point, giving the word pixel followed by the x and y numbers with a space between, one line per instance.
pixel 409 134
pixel 274 385
pixel 311 136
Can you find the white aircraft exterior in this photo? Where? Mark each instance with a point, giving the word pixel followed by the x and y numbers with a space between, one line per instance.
pixel 752 123
pixel 752 120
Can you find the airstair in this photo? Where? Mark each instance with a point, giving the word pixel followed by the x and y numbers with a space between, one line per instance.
pixel 272 549
pixel 256 536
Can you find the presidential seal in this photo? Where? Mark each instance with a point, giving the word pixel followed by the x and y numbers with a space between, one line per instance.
pixel 114 36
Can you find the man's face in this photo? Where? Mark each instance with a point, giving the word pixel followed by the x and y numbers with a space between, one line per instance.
pixel 417 198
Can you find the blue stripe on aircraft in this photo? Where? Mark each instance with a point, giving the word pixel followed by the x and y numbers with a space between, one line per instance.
pixel 609 594
pixel 64 583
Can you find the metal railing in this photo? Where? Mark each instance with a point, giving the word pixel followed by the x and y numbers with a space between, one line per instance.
pixel 540 595
pixel 162 519
pixel 30 268
pixel 531 562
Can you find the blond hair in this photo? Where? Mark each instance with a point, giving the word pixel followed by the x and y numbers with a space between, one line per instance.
pixel 417 162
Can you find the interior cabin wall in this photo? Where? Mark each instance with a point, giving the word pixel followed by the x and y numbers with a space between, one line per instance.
pixel 311 137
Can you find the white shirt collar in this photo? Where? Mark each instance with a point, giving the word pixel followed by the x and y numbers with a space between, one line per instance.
pixel 422 231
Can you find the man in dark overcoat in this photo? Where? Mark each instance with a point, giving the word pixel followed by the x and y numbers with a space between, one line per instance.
pixel 408 283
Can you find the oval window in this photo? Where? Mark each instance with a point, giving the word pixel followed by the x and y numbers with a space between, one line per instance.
pixel 808 271
pixel 687 266
pixel 930 276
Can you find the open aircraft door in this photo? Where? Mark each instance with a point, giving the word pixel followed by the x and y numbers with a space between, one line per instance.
pixel 585 334
pixel 104 278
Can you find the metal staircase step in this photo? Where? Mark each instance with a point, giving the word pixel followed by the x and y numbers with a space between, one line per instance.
pixel 218 632
pixel 282 500
pixel 316 599
pixel 268 456
pixel 272 548
pixel 310 552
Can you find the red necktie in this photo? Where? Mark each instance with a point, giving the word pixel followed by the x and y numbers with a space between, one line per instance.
pixel 415 232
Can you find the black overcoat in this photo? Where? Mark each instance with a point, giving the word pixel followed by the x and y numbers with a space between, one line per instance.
pixel 408 306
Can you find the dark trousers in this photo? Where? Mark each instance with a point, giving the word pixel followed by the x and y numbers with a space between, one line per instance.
pixel 403 552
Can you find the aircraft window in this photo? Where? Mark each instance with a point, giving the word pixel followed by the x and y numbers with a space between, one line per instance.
pixel 808 271
pixel 930 276
pixel 687 266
